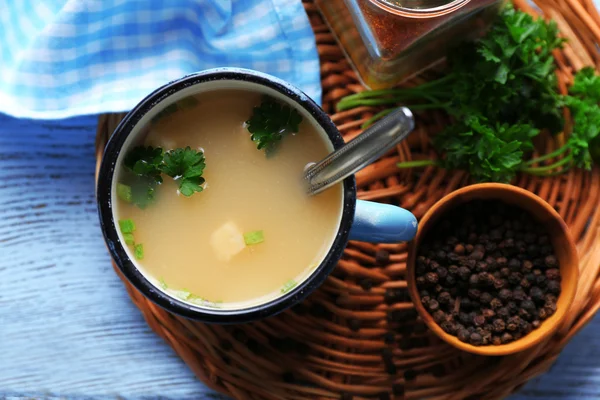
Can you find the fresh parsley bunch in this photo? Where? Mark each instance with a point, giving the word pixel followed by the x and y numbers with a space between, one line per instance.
pixel 501 92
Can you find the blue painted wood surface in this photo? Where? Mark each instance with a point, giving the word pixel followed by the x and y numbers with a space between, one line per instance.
pixel 67 327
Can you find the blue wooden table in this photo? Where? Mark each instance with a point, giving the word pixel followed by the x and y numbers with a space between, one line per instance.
pixel 67 327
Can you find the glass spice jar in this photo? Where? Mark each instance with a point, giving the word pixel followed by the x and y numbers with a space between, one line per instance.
pixel 388 41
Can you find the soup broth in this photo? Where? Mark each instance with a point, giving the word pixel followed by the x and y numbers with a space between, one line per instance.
pixel 191 245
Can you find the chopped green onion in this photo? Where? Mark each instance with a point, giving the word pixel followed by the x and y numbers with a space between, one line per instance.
pixel 129 238
pixel 124 192
pixel 254 237
pixel 163 284
pixel 289 285
pixel 182 294
pixel 126 225
pixel 192 298
pixel 213 304
pixel 138 251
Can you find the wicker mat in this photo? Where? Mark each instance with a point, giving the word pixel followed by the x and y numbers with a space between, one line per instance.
pixel 331 346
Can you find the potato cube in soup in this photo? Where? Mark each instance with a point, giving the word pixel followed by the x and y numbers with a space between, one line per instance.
pixel 227 241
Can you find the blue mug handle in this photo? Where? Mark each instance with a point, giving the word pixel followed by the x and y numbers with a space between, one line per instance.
pixel 382 223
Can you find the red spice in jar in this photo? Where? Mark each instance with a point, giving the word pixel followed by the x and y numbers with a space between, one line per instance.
pixel 388 41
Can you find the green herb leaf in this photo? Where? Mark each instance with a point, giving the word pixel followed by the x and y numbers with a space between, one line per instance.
pixel 129 238
pixel 270 121
pixel 182 294
pixel 254 237
pixel 126 225
pixel 124 192
pixel 163 284
pixel 138 251
pixel 289 285
pixel 189 186
pixel 187 165
pixel 145 162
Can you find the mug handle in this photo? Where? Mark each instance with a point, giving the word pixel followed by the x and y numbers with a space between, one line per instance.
pixel 382 223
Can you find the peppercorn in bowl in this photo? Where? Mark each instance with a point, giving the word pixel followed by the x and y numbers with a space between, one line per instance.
pixel 493 269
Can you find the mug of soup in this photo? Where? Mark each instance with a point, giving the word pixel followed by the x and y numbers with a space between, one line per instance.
pixel 203 205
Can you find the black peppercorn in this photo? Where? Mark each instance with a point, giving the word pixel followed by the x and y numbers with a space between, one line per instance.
pixel 421 280
pixel 505 294
pixel 479 320
pixel 499 283
pixel 514 264
pixel 431 278
pixel 527 265
pixel 449 327
pixel 450 280
pixel 463 335
pixel 476 339
pixel 459 249
pixel 464 318
pixel 513 323
pixel 550 261
pixel 519 294
pixel 464 273
pixel 495 234
pixel 499 325
pixel 505 272
pixel 433 305
pixel 474 293
pixel 541 280
pixel 553 274
pixel 542 314
pixel 444 298
pixel 553 287
pixel 488 313
pixel 474 280
pixel 453 270
pixel 439 316
pixel 546 250
pixel 506 338
pixel 496 304
pixel 528 306
pixel 515 278
pixel 485 298
pixel 441 272
pixel 537 295
pixel 503 313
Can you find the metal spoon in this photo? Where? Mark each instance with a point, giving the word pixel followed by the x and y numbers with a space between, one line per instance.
pixel 360 151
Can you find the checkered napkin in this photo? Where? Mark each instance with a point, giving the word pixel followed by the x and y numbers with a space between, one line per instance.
pixel 60 58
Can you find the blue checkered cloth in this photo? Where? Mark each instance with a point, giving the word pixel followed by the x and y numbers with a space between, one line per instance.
pixel 60 58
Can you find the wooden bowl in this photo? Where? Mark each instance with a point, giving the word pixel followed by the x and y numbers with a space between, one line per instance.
pixel 562 242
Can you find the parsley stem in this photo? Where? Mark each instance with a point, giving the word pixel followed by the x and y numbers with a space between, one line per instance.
pixel 377 117
pixel 553 154
pixel 431 106
pixel 417 164
pixel 547 168
pixel 345 105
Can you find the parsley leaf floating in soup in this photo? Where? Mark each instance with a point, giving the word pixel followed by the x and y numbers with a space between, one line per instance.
pixel 187 166
pixel 270 121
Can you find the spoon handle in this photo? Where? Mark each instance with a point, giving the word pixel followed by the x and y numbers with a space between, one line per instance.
pixel 360 151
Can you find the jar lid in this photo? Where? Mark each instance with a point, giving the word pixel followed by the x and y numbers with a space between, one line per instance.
pixel 420 8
